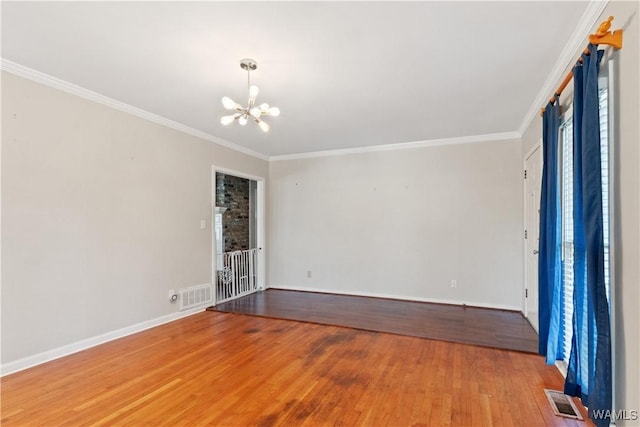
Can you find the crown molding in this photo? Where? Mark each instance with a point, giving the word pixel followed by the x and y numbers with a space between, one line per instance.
pixel 56 83
pixel 567 58
pixel 401 146
pixel 571 49
pixel 81 92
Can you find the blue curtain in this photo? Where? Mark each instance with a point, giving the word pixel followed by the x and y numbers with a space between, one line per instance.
pixel 589 372
pixel 550 245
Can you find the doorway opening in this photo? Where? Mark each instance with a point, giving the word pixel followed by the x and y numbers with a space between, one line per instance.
pixel 238 231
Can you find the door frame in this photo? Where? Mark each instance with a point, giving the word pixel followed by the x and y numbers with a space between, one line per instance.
pixel 536 146
pixel 260 223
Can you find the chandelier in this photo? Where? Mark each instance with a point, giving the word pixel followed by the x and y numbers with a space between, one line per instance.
pixel 251 111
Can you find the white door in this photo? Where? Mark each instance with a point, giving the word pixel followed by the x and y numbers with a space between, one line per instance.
pixel 532 185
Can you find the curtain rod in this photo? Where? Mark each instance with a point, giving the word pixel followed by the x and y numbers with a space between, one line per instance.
pixel 601 36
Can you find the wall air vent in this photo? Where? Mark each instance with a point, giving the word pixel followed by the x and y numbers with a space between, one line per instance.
pixel 196 296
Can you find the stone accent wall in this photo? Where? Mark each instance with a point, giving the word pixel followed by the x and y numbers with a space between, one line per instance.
pixel 233 193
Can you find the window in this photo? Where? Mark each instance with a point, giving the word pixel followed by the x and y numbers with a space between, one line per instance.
pixel 566 170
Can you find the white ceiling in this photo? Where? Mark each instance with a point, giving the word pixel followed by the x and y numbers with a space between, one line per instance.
pixel 344 74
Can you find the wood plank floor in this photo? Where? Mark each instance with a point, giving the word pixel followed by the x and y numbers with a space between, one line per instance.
pixel 225 369
pixel 469 325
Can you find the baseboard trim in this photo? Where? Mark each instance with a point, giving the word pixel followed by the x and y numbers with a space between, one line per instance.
pixel 399 297
pixel 66 350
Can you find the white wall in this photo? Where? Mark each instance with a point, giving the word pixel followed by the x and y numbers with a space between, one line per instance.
pixel 101 217
pixel 626 205
pixel 402 223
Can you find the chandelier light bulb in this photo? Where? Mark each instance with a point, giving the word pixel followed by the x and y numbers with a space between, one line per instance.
pixel 242 120
pixel 227 120
pixel 274 111
pixel 263 125
pixel 253 91
pixel 255 112
pixel 264 107
pixel 229 103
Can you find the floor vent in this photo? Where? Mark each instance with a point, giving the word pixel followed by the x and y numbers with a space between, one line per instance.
pixel 563 405
pixel 196 296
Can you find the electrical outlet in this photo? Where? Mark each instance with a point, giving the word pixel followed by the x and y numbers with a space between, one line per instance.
pixel 173 296
pixel 454 283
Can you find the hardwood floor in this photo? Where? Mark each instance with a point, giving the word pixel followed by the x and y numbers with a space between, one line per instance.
pixel 227 369
pixel 468 325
